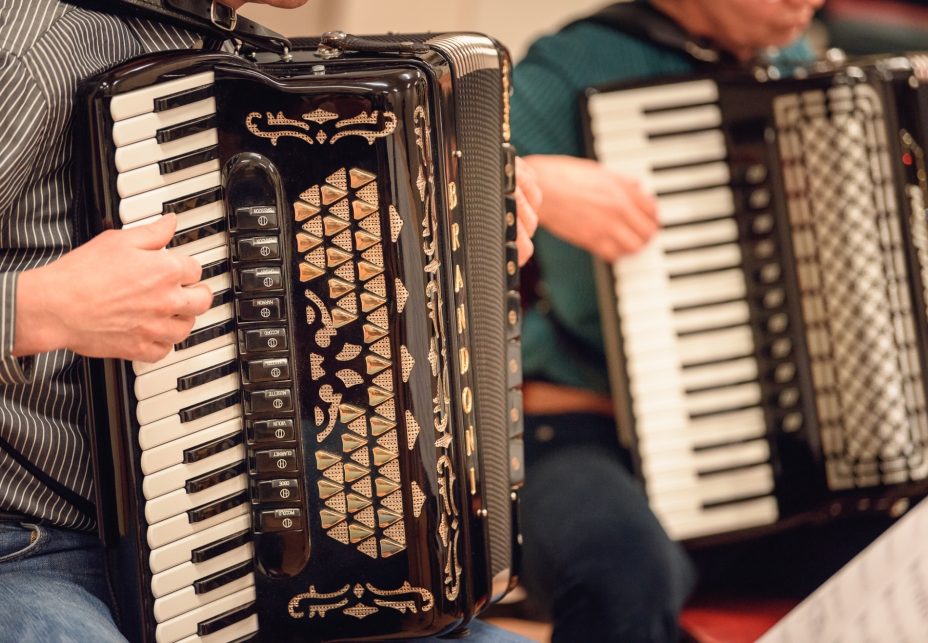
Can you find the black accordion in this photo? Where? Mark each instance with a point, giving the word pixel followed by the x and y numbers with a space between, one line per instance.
pixel 768 348
pixel 334 451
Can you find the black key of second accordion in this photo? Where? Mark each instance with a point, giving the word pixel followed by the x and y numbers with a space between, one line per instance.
pixel 225 619
pixel 224 577
pixel 227 544
pixel 197 411
pixel 207 480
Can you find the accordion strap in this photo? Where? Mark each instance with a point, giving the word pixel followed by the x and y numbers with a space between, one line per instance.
pixel 205 16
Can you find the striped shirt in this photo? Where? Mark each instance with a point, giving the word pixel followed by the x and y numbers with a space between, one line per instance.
pixel 46 48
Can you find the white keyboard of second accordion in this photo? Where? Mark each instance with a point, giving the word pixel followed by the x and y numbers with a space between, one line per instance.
pixel 689 349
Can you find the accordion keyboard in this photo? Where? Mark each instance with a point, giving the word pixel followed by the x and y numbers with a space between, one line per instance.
pixel 189 403
pixel 684 315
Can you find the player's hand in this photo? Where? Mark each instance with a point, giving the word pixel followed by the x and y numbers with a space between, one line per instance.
pixel 593 207
pixel 528 200
pixel 119 295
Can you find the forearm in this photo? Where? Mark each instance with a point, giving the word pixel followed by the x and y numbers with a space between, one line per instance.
pixel 34 314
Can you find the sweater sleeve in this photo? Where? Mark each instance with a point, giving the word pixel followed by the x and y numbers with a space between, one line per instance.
pixel 22 119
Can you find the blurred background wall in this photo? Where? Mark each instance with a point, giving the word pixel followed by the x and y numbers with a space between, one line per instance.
pixel 514 22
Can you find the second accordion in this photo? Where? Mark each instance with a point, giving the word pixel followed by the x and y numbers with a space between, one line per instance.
pixel 768 348
pixel 333 453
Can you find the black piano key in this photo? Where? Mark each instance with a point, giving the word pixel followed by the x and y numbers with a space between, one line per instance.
pixel 202 409
pixel 226 576
pixel 207 375
pixel 187 128
pixel 185 97
pixel 222 297
pixel 227 544
pixel 214 269
pixel 192 201
pixel 216 507
pixel 205 334
pixel 199 232
pixel 182 162
pixel 225 619
pixel 195 454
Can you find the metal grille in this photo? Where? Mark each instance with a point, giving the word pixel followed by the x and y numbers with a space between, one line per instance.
pixel 855 302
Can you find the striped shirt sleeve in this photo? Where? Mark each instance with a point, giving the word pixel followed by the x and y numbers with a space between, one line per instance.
pixel 23 109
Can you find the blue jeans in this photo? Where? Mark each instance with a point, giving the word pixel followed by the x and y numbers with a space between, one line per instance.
pixel 53 589
pixel 595 558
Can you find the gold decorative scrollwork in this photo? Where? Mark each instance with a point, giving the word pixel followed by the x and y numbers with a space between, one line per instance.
pixel 301 128
pixel 405 598
pixel 273 135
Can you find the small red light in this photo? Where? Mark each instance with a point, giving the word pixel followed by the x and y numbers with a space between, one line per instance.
pixel 907 158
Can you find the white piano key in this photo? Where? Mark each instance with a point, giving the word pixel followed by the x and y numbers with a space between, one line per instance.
pixel 218 240
pixel 186 599
pixel 738 425
pixel 603 105
pixel 178 577
pixel 172 453
pixel 142 100
pixel 177 502
pixel 691 178
pixel 152 203
pixel 704 259
pixel 179 526
pixel 188 219
pixel 173 478
pixel 683 149
pixel 150 177
pixel 732 455
pixel 660 466
pixel 179 551
pixel 145 153
pixel 165 379
pixel 141 368
pixel 720 374
pixel 679 494
pixel 730 313
pixel 698 234
pixel 212 255
pixel 170 403
pixel 239 631
pixel 715 345
pixel 139 128
pixel 214 315
pixel 708 288
pixel 668 122
pixel 171 428
pixel 722 519
pixel 185 625
pixel 691 207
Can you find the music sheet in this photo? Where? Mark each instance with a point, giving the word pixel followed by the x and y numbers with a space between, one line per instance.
pixel 880 596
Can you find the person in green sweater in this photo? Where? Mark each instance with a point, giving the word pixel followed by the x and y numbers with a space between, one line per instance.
pixel 594 556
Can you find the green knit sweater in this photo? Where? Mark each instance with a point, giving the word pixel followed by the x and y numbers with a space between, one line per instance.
pixel 562 338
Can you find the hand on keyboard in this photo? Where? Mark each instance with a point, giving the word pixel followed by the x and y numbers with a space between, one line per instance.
pixel 119 295
pixel 528 201
pixel 592 207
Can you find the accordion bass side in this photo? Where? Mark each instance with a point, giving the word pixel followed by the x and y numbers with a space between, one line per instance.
pixel 334 451
pixel 768 349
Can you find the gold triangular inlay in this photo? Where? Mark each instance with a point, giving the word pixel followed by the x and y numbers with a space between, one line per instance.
pixel 387 409
pixel 355 471
pixel 339 179
pixel 313 227
pixel 324 459
pixel 366 517
pixel 369 548
pixel 369 193
pixel 316 258
pixel 348 412
pixel 306 242
pixel 376 364
pixel 389 547
pixel 333 225
pixel 360 178
pixel 391 470
pixel 339 287
pixel 331 194
pixel 385 486
pixel 336 257
pixel 379 317
pixel 328 488
pixel 402 295
pixel 382 456
pixel 343 240
pixel 339 533
pixel 348 303
pixel 364 487
pixel 303 210
pixel 350 442
pixel 345 271
pixel 384 380
pixel 367 270
pixel 385 517
pixel 359 426
pixel 412 430
pixel 357 532
pixel 335 473
pixel 357 503
pixel 331 518
pixel 396 224
pixel 320 116
pixel 373 333
pixel 342 317
pixel 394 502
pixel 380 425
pixel 396 533
pixel 407 361
pixel 370 301
pixel 337 503
pixel 362 209
pixel 382 348
pixel 371 225
pixel 374 255
pixel 308 272
pixel 389 441
pixel 377 395
pixel 364 240
pixel 340 210
pixel 361 457
pixel 313 195
pixel 378 286
pixel 418 499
